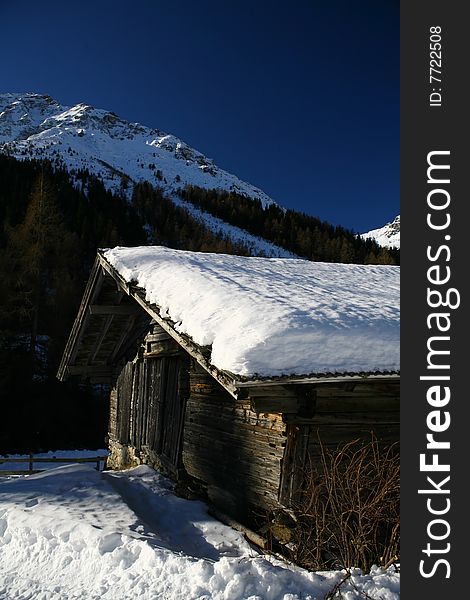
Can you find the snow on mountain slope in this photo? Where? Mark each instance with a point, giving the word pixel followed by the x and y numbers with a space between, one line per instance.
pixel 36 126
pixel 253 243
pixel 388 235
pixel 121 154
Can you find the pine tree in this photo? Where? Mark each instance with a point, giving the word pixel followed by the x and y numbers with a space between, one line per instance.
pixel 35 258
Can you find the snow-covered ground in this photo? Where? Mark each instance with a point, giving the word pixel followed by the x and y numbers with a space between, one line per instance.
pixel 75 533
pixel 273 316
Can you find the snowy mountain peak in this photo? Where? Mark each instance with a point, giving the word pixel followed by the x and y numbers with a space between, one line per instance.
pixel 388 235
pixel 83 137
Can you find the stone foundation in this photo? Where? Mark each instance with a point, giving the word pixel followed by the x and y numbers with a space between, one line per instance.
pixel 122 456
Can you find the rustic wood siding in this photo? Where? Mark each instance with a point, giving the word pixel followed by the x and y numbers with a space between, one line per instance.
pixel 124 400
pixel 150 398
pixel 228 446
pixel 112 424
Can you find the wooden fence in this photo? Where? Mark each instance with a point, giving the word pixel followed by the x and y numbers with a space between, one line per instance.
pixel 32 460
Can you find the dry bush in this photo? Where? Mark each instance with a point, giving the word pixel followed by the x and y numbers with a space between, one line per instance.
pixel 348 510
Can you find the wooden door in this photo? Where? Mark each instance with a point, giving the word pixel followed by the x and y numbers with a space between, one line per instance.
pixel 166 401
pixel 151 395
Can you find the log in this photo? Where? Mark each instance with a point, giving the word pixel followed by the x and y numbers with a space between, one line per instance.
pixel 253 537
pixel 271 404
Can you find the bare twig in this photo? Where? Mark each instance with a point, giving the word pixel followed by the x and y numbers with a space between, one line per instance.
pixel 347 511
pixel 337 587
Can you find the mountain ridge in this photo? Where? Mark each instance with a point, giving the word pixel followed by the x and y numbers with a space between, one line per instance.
pixel 387 236
pixel 82 139
pixel 118 151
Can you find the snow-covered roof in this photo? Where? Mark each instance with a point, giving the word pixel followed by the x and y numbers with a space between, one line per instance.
pixel 270 317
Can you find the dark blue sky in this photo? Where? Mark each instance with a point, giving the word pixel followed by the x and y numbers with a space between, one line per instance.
pixel 300 98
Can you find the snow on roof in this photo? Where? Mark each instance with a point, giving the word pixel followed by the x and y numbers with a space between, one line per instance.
pixel 273 316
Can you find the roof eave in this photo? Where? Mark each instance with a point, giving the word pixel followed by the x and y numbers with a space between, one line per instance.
pixel 318 379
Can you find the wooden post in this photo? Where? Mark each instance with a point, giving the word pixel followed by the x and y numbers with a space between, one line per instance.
pixel 30 462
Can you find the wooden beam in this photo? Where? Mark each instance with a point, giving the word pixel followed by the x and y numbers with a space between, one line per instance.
pixel 91 291
pixel 120 309
pixel 157 337
pixel 274 391
pixel 253 537
pixel 90 370
pixel 268 404
pixel 299 399
pixel 135 330
pixel 317 380
pixel 100 338
pixel 125 332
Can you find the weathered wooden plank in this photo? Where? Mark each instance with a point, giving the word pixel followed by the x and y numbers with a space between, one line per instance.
pixel 112 423
pixel 163 346
pixel 317 381
pixel 235 451
pixel 124 394
pixel 248 440
pixel 332 435
pixel 102 334
pixel 90 370
pixel 160 404
pixel 120 309
pixel 376 404
pixel 353 418
pixel 255 538
pixel 157 337
pixel 140 402
pixel 371 390
pixel 278 391
pixel 264 404
pixel 202 406
pixel 293 463
pixel 125 332
pixel 156 400
pixel 237 482
pixel 225 427
pixel 239 410
pixel 253 460
pixel 92 290
pixel 223 424
pixel 160 354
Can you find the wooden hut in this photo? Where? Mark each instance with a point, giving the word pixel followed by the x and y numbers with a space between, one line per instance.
pixel 243 438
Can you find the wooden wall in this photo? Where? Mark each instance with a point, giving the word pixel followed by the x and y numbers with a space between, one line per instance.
pixel 236 452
